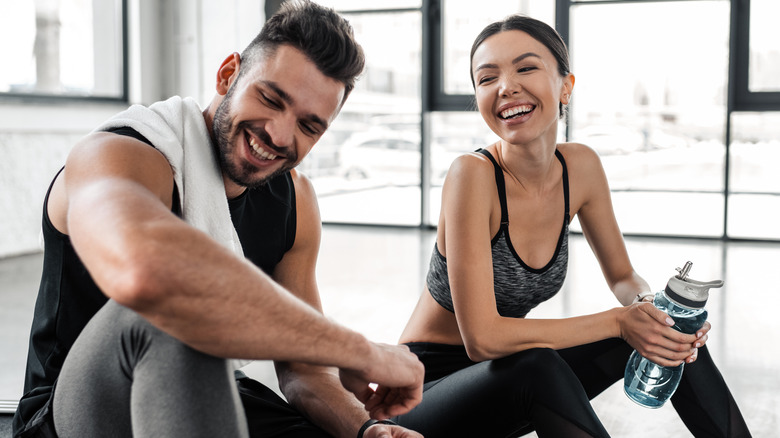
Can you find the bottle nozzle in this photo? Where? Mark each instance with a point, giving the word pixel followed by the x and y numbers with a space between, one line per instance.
pixel 689 292
pixel 683 272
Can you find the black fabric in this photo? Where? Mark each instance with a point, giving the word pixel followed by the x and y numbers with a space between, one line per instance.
pixel 68 297
pixel 549 391
pixel 270 416
pixel 41 425
pixel 531 390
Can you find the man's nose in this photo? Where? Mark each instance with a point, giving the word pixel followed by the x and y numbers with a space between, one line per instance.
pixel 282 130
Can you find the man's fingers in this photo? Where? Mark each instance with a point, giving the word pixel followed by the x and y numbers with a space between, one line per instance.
pixel 377 398
pixel 396 402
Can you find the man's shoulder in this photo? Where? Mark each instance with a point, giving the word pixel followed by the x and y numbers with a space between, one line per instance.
pixel 130 132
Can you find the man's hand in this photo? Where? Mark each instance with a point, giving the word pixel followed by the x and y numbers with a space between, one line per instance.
pixel 398 376
pixel 388 431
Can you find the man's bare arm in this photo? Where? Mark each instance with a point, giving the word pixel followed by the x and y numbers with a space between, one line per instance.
pixel 185 283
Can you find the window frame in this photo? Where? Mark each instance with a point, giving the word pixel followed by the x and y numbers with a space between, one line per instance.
pixel 123 97
pixel 740 97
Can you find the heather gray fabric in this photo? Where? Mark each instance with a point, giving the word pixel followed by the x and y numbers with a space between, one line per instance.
pixel 125 378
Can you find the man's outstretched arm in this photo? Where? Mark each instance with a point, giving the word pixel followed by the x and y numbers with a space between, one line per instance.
pixel 114 201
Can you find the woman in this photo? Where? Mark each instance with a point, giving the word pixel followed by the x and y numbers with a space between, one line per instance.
pixel 501 249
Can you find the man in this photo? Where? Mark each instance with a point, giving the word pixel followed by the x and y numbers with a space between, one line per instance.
pixel 146 291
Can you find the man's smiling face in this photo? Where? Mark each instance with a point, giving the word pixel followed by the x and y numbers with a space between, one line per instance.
pixel 271 116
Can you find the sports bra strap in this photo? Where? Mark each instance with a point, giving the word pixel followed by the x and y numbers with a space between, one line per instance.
pixel 501 186
pixel 500 183
pixel 565 176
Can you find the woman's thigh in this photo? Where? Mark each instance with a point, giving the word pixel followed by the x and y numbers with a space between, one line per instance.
pixel 599 364
pixel 528 390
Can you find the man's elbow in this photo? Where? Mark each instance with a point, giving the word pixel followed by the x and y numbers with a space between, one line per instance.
pixel 296 379
pixel 137 285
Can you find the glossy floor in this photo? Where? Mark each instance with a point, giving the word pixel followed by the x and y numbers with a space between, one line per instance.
pixel 370 279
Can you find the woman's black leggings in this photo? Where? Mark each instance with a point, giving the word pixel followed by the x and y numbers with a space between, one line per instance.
pixel 549 391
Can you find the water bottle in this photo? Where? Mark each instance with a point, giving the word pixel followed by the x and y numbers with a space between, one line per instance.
pixel 649 384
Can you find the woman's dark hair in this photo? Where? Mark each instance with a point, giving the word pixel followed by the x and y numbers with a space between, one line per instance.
pixel 326 38
pixel 538 30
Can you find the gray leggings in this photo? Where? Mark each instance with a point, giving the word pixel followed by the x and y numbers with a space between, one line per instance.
pixel 125 378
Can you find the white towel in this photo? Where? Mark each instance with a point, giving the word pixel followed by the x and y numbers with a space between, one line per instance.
pixel 177 129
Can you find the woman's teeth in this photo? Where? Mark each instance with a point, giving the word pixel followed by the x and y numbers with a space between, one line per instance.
pixel 511 112
pixel 260 152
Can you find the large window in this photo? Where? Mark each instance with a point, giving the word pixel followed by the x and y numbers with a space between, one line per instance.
pixel 366 168
pixel 657 86
pixel 764 46
pixel 663 89
pixel 655 109
pixel 754 200
pixel 63 48
pixel 755 60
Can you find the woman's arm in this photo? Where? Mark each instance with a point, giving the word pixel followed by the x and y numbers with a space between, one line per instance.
pixel 592 202
pixel 469 207
pixel 468 214
pixel 600 227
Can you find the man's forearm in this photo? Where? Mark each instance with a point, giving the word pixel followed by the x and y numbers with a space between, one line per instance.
pixel 196 290
pixel 318 394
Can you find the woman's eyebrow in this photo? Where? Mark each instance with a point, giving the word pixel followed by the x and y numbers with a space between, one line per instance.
pixel 525 55
pixel 514 61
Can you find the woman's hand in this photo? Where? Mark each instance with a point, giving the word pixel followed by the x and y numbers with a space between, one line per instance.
pixel 701 339
pixel 649 330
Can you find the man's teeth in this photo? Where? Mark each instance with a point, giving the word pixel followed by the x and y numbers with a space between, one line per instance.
pixel 515 111
pixel 262 153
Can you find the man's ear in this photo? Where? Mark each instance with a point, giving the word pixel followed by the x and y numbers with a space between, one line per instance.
pixel 228 73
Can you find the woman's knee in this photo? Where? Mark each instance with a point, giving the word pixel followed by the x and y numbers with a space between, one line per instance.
pixel 536 372
pixel 534 362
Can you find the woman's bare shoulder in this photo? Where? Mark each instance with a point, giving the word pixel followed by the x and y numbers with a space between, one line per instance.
pixel 471 164
pixel 578 152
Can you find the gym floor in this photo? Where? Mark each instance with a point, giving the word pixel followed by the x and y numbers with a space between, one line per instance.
pixel 370 279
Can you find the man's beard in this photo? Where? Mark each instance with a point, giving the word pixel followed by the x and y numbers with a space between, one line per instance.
pixel 241 172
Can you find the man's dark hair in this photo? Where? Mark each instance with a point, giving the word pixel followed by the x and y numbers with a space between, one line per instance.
pixel 324 36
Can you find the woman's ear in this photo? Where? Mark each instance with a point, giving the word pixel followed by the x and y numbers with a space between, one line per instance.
pixel 228 72
pixel 568 86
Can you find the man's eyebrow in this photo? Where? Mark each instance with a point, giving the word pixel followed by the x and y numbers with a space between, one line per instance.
pixel 290 101
pixel 514 61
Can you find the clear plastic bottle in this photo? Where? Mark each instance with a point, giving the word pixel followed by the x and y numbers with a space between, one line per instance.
pixel 647 383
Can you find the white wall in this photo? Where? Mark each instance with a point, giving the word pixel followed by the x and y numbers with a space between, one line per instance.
pixel 176 47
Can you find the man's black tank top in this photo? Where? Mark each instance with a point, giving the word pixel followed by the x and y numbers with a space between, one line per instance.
pixel 265 220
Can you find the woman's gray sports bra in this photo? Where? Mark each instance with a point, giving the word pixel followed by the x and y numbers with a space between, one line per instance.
pixel 518 287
